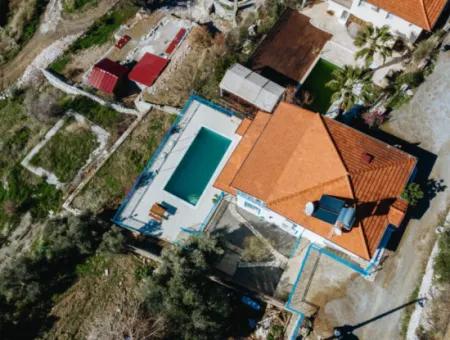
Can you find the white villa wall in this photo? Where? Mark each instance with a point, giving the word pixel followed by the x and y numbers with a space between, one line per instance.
pixel 290 227
pixel 378 17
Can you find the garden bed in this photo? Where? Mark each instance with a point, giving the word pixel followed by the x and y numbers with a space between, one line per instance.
pixel 67 151
pixel 116 177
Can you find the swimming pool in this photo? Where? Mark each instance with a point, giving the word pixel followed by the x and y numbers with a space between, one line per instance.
pixel 197 166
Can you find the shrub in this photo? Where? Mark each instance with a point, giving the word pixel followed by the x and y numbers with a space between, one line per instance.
pixel 442 261
pixel 413 194
pixel 180 291
pixel 255 250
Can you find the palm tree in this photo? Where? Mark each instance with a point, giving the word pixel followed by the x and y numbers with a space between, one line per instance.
pixel 373 41
pixel 351 85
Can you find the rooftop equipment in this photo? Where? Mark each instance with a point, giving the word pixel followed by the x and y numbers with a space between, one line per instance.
pixel 333 211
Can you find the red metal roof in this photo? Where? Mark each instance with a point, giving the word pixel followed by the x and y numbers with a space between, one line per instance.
pixel 148 69
pixel 105 75
pixel 123 41
pixel 174 43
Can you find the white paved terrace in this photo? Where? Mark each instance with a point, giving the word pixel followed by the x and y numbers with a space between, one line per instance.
pixel 136 212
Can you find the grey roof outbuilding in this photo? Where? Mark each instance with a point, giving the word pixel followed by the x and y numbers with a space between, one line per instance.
pixel 252 87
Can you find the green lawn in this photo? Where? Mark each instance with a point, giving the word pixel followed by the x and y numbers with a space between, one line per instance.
pixel 315 84
pixel 67 151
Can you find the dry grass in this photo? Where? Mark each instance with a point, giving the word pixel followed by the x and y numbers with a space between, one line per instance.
pixel 194 62
pixel 116 177
pixel 95 295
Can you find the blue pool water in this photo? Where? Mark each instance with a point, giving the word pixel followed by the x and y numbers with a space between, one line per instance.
pixel 191 176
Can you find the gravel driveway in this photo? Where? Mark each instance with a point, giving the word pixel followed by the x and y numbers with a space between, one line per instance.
pixel 425 120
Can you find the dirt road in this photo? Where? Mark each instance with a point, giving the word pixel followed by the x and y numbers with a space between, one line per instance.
pixel 426 120
pixel 11 71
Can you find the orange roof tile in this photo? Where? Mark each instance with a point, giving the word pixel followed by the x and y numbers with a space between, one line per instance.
pixel 397 212
pixel 423 13
pixel 295 156
pixel 252 133
pixel 242 128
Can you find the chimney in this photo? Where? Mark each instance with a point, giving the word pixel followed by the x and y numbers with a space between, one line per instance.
pixel 367 157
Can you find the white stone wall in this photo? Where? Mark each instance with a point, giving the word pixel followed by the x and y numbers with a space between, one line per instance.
pixel 378 17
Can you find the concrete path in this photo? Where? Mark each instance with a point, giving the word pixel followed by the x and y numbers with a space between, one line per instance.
pixel 425 120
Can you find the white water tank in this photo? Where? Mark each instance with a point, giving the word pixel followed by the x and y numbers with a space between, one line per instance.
pixel 309 208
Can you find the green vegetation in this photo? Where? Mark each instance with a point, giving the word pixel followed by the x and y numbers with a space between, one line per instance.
pixel 373 41
pixel 21 191
pixel 442 261
pixel 24 193
pixel 20 24
pixel 116 177
pixel 98 34
pixel 408 311
pixel 345 82
pixel 321 74
pixel 71 6
pixel 237 46
pixel 108 118
pixel 67 151
pixel 255 250
pixel 413 193
pixel 47 270
pixel 33 23
pixel 192 306
pixel 60 63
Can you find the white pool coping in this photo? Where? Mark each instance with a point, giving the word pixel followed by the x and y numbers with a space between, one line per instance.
pixel 135 214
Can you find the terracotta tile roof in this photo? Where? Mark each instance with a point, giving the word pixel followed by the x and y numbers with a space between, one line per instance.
pixel 253 132
pixel 423 13
pixel 290 49
pixel 242 128
pixel 298 156
pixel 397 212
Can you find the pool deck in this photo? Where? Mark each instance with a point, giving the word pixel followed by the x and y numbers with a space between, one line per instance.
pixel 149 189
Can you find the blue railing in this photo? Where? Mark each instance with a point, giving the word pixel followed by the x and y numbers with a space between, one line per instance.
pixel 116 219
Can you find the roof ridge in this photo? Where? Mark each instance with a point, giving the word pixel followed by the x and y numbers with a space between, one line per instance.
pixel 385 166
pixel 427 19
pixel 334 144
pixel 290 196
pixel 254 144
pixel 327 133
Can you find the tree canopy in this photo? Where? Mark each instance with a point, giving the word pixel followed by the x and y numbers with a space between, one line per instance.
pixel 352 85
pixel 373 41
pixel 192 305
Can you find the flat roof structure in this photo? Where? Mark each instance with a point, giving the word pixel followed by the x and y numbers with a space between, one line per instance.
pixel 152 185
pixel 295 156
pixel 251 87
pixel 289 50
pixel 106 74
pixel 148 69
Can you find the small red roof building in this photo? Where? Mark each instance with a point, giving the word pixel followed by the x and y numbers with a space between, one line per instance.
pixel 106 75
pixel 148 69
